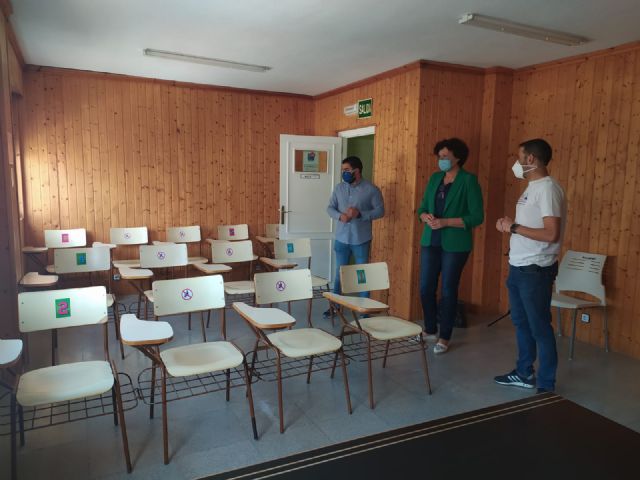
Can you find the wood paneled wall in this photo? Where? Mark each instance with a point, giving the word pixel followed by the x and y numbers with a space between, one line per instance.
pixel 107 151
pixel 451 105
pixel 9 238
pixel 589 111
pixel 396 101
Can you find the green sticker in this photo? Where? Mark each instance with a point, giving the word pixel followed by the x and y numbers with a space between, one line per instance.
pixel 63 307
pixel 81 258
pixel 362 278
pixel 289 247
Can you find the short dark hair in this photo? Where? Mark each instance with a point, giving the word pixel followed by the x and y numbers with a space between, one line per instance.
pixel 354 162
pixel 539 148
pixel 455 145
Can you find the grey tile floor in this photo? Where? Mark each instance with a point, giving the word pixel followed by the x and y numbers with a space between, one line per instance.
pixel 209 435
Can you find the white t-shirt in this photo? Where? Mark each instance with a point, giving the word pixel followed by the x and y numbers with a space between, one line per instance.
pixel 542 198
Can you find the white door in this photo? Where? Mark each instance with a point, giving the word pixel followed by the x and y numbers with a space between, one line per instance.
pixel 309 169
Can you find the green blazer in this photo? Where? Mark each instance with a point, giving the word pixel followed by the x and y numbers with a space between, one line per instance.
pixel 464 200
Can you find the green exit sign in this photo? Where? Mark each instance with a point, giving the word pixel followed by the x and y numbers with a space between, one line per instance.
pixel 365 108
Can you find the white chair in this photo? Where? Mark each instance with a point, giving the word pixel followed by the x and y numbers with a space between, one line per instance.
pixel 379 328
pixel 300 249
pixel 580 272
pixel 299 343
pixel 188 295
pixel 56 309
pixel 190 234
pixel 69 238
pixel 199 361
pixel 128 236
pixel 163 255
pixel 89 260
pixel 233 233
pixel 266 240
pixel 10 351
pixel 238 290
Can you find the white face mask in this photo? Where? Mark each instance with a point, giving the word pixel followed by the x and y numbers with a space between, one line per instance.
pixel 519 171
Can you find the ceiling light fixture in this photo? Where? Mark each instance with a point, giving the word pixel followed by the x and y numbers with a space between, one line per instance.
pixel 216 62
pixel 500 25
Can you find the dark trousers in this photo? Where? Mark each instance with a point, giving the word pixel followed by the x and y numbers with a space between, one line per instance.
pixel 434 263
pixel 530 290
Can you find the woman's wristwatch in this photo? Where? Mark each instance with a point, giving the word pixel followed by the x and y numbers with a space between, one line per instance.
pixel 513 227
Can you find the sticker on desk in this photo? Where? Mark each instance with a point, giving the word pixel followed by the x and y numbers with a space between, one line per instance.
pixel 161 255
pixel 63 307
pixel 181 234
pixel 65 238
pixel 289 247
pixel 229 252
pixel 310 176
pixel 281 286
pixel 362 278
pixel 81 258
pixel 232 232
pixel 186 294
pixel 127 236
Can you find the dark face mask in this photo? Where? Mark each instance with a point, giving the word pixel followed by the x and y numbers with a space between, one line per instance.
pixel 348 177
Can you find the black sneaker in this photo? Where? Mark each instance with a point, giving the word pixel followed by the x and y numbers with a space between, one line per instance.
pixel 514 379
pixel 329 313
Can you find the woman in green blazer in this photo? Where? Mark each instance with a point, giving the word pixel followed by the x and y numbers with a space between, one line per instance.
pixel 450 208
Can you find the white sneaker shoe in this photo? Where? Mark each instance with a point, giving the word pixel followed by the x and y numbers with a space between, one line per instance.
pixel 440 348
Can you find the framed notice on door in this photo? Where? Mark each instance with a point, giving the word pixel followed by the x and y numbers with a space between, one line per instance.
pixel 310 161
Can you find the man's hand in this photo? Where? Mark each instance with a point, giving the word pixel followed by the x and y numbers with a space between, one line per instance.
pixel 353 212
pixel 344 218
pixel 504 224
pixel 437 223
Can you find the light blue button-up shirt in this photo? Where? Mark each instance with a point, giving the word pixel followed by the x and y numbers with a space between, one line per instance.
pixel 367 199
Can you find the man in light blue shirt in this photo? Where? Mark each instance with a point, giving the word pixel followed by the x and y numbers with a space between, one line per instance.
pixel 355 203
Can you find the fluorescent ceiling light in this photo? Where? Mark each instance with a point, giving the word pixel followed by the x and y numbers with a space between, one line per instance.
pixel 216 62
pixel 514 28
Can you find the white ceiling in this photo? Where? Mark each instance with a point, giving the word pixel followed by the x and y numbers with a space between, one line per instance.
pixel 312 45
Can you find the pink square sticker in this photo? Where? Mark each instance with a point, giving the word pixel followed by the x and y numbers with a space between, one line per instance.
pixel 65 238
pixel 232 232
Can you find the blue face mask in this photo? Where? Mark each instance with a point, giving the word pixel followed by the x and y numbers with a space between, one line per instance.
pixel 348 177
pixel 444 164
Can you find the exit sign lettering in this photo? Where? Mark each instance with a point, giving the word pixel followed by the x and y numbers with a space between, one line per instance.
pixel 365 108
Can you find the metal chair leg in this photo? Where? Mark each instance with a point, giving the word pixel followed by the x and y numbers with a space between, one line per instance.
pixel 280 409
pixel 369 371
pixel 346 381
pixel 14 456
pixel 115 406
pixel 152 399
pixel 223 325
pixel 573 333
pixel 227 373
pixel 606 330
pixel 204 332
pixel 247 379
pixel 386 351
pixel 309 370
pixel 123 425
pixel 424 362
pixel 165 427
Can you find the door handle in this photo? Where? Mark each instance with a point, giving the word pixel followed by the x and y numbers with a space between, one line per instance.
pixel 282 212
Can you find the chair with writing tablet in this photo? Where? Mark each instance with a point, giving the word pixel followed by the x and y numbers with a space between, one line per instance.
pixel 379 329
pixel 272 328
pixel 188 370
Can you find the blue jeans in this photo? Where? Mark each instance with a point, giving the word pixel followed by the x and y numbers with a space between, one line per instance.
pixel 436 262
pixel 343 255
pixel 530 289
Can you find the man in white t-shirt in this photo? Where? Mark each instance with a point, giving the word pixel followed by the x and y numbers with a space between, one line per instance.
pixel 536 236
